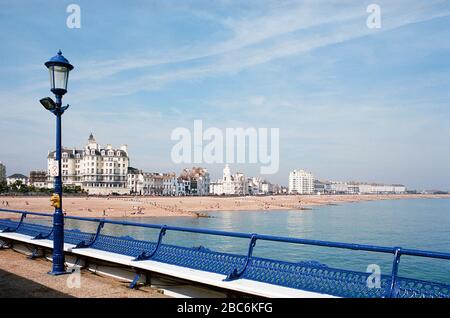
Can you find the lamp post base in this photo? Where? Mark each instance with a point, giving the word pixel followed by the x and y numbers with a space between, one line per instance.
pixel 58 273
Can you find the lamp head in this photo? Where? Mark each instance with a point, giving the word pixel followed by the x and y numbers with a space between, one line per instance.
pixel 59 68
pixel 48 103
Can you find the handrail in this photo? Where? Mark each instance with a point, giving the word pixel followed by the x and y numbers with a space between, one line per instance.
pixel 391 291
pixel 263 237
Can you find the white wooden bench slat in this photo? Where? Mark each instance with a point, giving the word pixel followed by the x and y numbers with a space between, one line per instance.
pixel 212 279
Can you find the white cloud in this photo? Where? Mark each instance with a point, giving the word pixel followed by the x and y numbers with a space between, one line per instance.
pixel 287 31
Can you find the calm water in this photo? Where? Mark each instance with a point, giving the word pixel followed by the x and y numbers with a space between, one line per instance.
pixel 412 223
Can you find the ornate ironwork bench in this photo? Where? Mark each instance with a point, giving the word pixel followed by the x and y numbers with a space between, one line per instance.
pixel 238 272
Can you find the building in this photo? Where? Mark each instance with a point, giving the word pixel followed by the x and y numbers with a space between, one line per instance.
pixel 95 169
pixel 151 183
pixel 170 184
pixel 301 182
pixel 2 172
pixel 135 180
pixel 268 188
pixel 17 177
pixel 254 186
pixel 353 187
pixel 144 183
pixel 338 188
pixel 320 187
pixel 236 184
pixel 38 179
pixel 195 181
pixel 375 188
pixel 183 186
pixel 258 186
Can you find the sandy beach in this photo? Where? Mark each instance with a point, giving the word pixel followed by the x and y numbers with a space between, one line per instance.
pixel 119 207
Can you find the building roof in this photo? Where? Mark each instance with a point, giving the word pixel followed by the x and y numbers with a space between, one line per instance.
pixel 71 153
pixel 132 170
pixel 18 176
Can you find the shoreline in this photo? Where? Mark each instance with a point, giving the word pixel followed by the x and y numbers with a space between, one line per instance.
pixel 143 206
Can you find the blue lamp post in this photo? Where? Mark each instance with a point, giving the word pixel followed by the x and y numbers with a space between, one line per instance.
pixel 59 68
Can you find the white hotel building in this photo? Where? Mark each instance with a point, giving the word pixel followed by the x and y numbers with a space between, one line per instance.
pixel 95 169
pixel 301 182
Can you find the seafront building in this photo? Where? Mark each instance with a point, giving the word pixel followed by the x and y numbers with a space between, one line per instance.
pixel 135 180
pixel 2 172
pixel 38 179
pixel 259 186
pixel 196 181
pixel 105 170
pixel 183 187
pixel 374 188
pixel 236 184
pixel 17 177
pixel 338 187
pixel 96 169
pixel 301 182
pixel 154 183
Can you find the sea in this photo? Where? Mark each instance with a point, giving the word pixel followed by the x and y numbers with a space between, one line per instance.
pixel 406 223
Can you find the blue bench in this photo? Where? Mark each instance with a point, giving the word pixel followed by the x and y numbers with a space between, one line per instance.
pixel 308 275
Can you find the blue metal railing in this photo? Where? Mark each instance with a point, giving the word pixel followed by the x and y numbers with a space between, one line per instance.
pixel 397 252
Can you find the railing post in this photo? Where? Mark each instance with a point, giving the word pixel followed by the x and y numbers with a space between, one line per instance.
pixel 83 244
pixel 41 236
pixel 235 274
pixel 144 256
pixel 9 229
pixel 393 290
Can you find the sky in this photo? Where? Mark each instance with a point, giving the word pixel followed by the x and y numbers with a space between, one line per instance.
pixel 351 102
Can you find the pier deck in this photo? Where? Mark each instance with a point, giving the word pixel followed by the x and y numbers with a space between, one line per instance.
pixel 24 278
